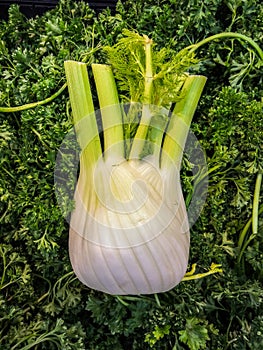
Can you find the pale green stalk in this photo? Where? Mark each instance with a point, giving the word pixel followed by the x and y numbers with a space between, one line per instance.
pixel 157 133
pixel 140 136
pixel 110 109
pixel 148 71
pixel 180 121
pixel 84 118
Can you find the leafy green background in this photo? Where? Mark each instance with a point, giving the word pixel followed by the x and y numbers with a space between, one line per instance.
pixel 42 304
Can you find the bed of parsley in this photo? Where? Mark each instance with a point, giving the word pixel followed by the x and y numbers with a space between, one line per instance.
pixel 42 304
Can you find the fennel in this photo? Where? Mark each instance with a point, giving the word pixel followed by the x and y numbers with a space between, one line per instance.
pixel 129 231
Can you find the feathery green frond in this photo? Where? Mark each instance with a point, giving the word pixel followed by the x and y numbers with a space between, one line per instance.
pixel 129 61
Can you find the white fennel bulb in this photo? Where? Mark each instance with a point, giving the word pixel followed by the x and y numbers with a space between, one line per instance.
pixel 132 235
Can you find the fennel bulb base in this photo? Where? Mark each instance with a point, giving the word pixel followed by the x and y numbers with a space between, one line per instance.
pixel 154 267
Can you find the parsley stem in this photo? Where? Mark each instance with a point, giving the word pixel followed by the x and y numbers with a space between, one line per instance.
pixel 33 104
pixel 256 204
pixel 214 268
pixel 253 220
pixel 228 35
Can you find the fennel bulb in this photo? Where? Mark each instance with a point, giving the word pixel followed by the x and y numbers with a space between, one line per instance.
pixel 131 236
